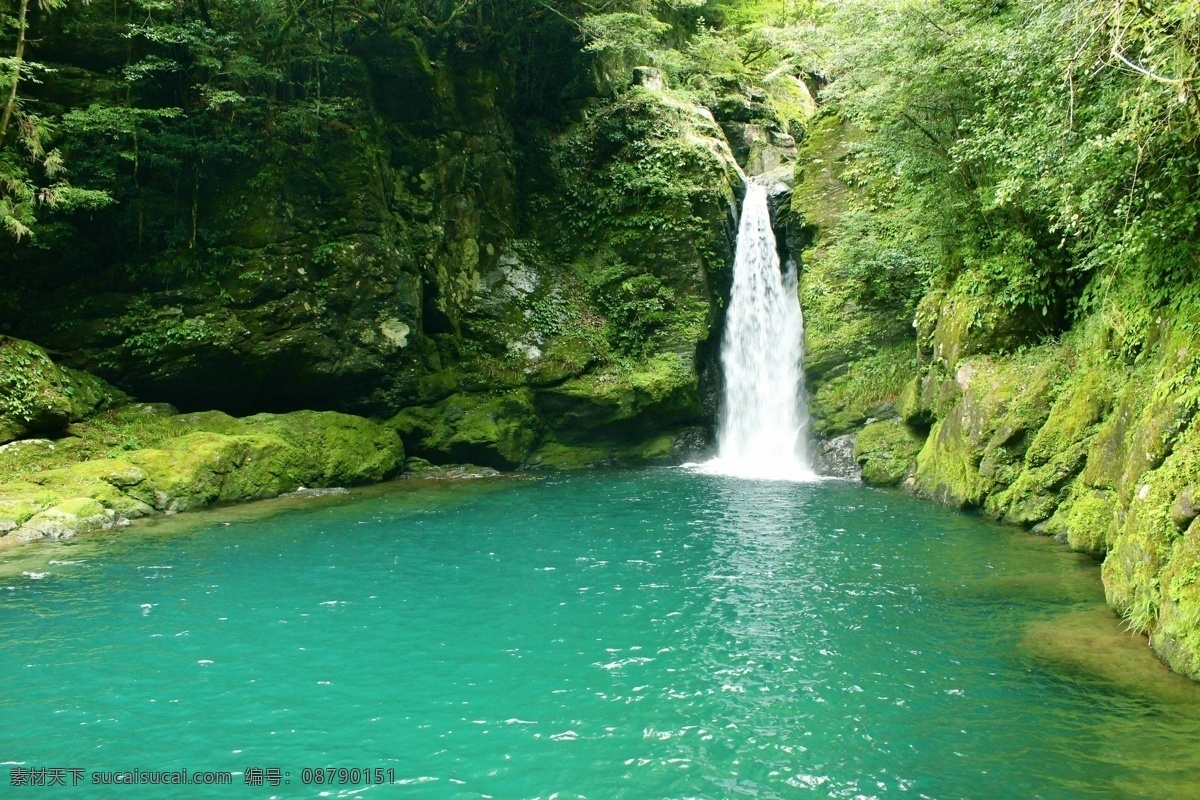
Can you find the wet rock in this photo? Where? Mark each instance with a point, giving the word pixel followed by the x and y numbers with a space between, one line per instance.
pixel 887 452
pixel 304 491
pixel 203 459
pixel 835 457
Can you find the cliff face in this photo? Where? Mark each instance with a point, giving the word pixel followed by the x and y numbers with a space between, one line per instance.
pixel 1090 435
pixel 528 264
pixel 1092 438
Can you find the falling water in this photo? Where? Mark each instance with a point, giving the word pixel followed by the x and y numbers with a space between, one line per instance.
pixel 764 418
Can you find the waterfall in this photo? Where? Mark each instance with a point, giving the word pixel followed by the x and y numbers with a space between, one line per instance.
pixel 763 432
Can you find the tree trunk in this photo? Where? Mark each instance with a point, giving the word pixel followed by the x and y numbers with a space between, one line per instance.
pixel 11 105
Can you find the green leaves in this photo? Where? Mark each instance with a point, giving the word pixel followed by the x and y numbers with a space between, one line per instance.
pixel 630 36
pixel 1034 141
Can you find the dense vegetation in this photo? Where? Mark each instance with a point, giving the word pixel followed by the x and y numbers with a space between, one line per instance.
pixel 1029 143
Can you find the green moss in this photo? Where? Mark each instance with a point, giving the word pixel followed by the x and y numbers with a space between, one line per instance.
pixel 36 395
pixel 624 401
pixel 196 460
pixel 65 519
pixel 887 452
pixel 1090 521
pixel 909 405
pixel 1057 452
pixel 821 196
pixel 331 449
pixel 1176 637
pixel 970 322
pixel 204 468
pixel 1145 542
pixel 556 455
pixel 986 414
pixel 495 429
pixel 1083 403
pixel 559 456
pixel 617 415
pixel 19 501
pixel 1031 498
pixel 947 469
pixel 117 485
pixel 843 400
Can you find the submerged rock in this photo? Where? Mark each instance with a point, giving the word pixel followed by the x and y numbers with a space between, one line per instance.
pixel 304 491
pixel 420 468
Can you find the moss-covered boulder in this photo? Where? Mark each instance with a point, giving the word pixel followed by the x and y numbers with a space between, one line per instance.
pixel 196 460
pixel 624 404
pixel 661 449
pixel 493 430
pixel 970 322
pixel 887 452
pixel 986 415
pixel 38 396
pixel 325 448
pixel 869 387
pixel 632 414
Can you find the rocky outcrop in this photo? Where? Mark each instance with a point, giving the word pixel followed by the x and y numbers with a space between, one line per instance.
pixel 1092 438
pixel 449 232
pixel 39 397
pixel 885 452
pixel 139 460
pixel 591 340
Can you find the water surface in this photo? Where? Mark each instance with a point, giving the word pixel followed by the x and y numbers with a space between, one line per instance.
pixel 653 634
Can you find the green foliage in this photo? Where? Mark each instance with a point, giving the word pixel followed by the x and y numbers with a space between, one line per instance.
pixel 628 36
pixel 629 171
pixel 876 265
pixel 33 174
pixel 637 307
pixel 1030 144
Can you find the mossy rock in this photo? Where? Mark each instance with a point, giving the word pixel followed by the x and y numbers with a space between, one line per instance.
pixel 203 468
pixel 199 460
pixel 333 449
pixel 909 405
pixel 495 430
pixel 65 519
pixel 887 452
pixel 116 484
pixel 1144 545
pixel 1083 403
pixel 552 454
pixel 1176 637
pixel 21 501
pixel 972 323
pixel 1089 520
pixel 38 396
pixel 988 411
pixel 630 403
pixel 868 387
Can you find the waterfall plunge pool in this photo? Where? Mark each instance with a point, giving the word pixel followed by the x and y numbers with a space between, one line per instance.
pixel 642 634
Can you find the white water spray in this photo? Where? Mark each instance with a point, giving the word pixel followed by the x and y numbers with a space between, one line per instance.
pixel 763 431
